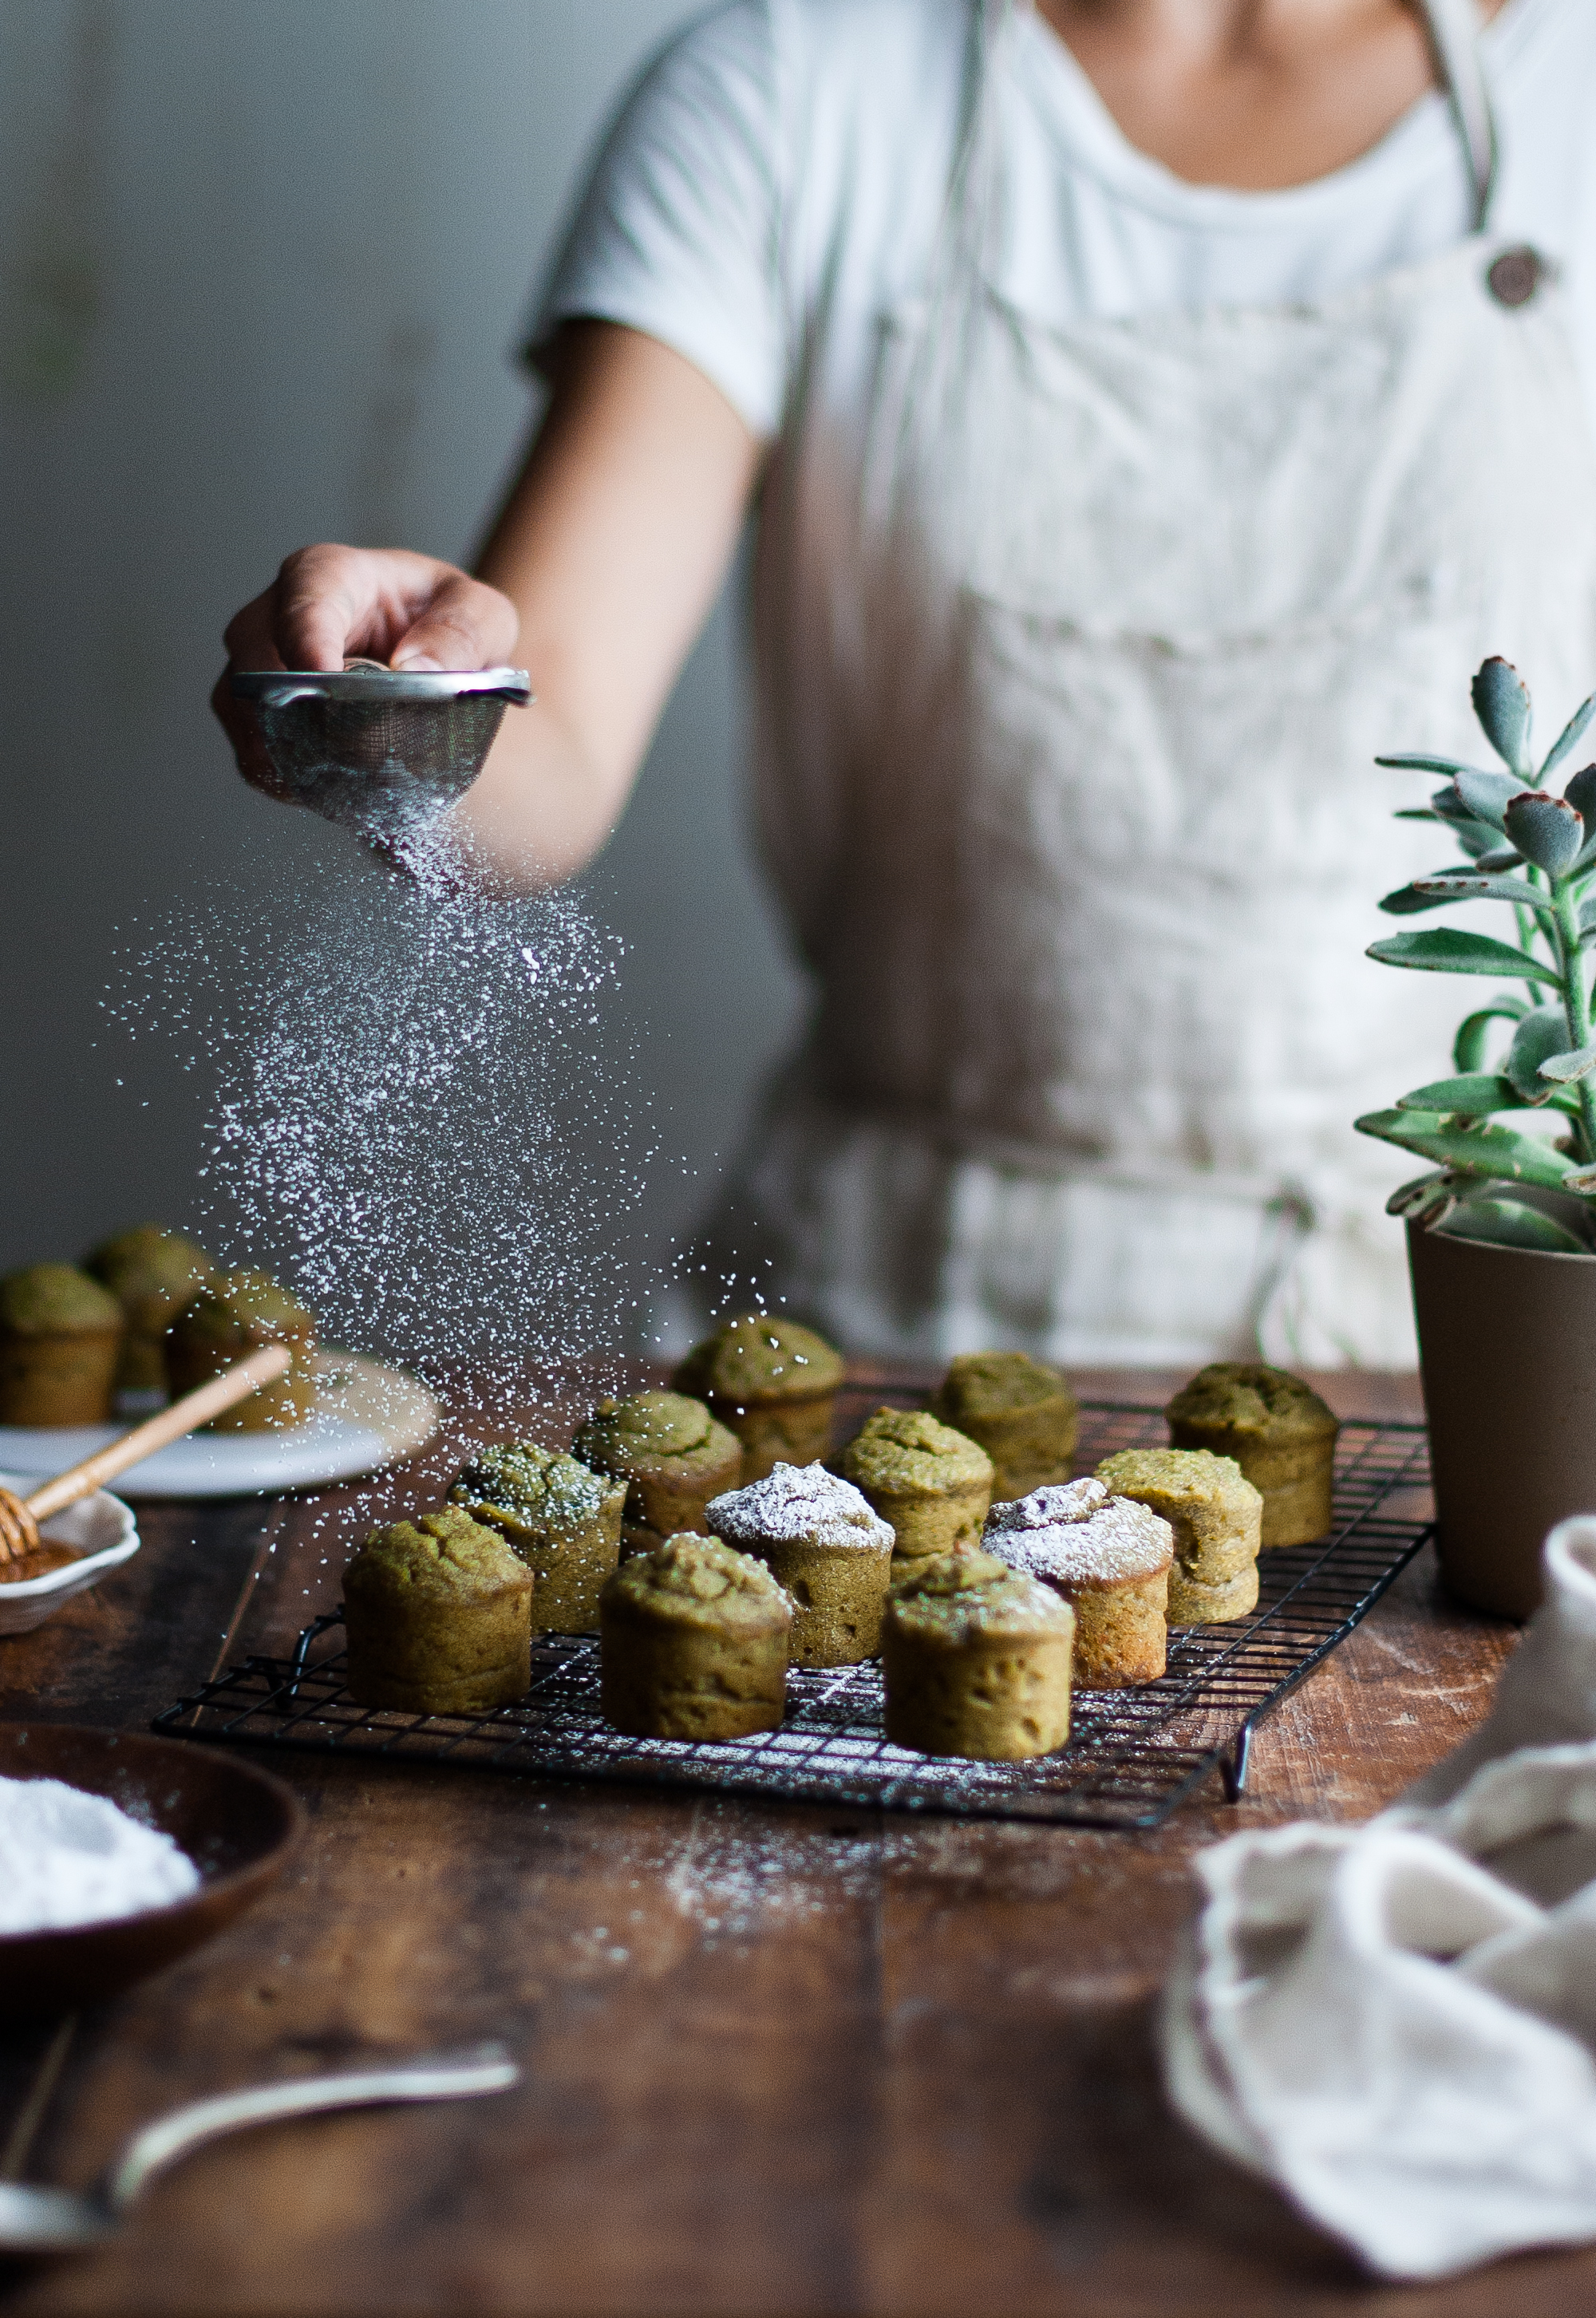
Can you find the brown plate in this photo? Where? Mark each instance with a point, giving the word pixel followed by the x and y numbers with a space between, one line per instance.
pixel 237 1825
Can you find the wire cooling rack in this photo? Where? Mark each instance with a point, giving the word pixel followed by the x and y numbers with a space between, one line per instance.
pixel 1132 1755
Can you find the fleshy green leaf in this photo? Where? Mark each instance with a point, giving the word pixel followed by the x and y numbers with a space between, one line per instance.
pixel 1545 830
pixel 1468 1048
pixel 1416 813
pixel 1563 1069
pixel 1500 858
pixel 1473 1096
pixel 1426 1197
pixel 1408 901
pixel 1587 918
pixel 1464 886
pixel 1508 1223
pixel 1501 704
pixel 1416 761
pixel 1566 740
pixel 1474 1150
pixel 1476 837
pixel 1580 793
pixel 1540 1034
pixel 1580 789
pixel 1487 796
pixel 1448 950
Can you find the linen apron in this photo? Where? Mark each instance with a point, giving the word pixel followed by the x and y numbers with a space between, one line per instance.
pixel 1084 840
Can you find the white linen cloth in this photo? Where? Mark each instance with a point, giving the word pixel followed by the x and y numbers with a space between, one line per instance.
pixel 1396 2023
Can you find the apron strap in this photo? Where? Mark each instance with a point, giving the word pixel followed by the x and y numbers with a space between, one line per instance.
pixel 969 220
pixel 1455 37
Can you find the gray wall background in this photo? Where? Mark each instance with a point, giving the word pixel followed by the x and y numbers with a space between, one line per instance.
pixel 263 269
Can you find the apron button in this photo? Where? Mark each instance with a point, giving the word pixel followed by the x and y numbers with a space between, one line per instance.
pixel 1515 276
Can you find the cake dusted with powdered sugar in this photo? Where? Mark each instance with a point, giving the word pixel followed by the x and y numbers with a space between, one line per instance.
pixel 824 1541
pixel 1075 1530
pixel 795 1501
pixel 1110 1557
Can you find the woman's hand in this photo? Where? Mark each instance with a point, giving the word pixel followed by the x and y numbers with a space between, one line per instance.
pixel 607 556
pixel 331 604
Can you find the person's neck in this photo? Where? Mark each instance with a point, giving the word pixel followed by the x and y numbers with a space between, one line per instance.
pixel 1257 94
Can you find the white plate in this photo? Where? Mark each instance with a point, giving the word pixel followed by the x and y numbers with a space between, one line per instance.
pixel 100 1528
pixel 367 1415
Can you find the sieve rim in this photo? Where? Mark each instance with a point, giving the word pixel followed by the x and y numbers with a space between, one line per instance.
pixel 274 688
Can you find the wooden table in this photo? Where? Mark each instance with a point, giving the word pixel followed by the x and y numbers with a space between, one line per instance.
pixel 778 2059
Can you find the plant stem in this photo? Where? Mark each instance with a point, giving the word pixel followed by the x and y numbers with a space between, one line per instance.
pixel 1575 1002
pixel 1530 924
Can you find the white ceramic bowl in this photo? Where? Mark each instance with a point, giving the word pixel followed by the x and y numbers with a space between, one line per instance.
pixel 103 1532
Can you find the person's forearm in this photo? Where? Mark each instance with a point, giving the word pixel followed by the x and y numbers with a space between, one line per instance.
pixel 611 546
pixel 540 808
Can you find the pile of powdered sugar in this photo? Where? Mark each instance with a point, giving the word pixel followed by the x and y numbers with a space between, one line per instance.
pixel 1076 1532
pixel 66 1858
pixel 799 1502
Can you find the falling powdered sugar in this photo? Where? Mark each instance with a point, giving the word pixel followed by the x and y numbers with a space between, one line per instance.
pixel 412 1112
pixel 68 1858
pixel 1076 1532
pixel 795 1503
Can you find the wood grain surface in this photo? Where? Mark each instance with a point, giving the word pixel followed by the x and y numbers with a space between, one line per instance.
pixel 778 2059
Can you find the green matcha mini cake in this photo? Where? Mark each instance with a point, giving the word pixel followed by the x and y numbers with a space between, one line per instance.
pixel 1020 1413
pixel 233 1315
pixel 1192 1604
pixel 932 1484
pixel 1110 1559
pixel 975 1660
pixel 673 1456
pixel 152 1273
pixel 562 1519
pixel 1277 1430
pixel 1215 1515
pixel 774 1382
pixel 820 1540
pixel 439 1616
pixel 61 1340
pixel 693 1643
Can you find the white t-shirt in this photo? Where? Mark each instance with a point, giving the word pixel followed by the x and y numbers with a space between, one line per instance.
pixel 777 181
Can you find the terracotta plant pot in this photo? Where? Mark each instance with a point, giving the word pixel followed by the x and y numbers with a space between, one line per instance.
pixel 1506 1346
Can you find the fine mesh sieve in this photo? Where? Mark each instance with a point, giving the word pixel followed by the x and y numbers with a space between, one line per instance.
pixel 381 751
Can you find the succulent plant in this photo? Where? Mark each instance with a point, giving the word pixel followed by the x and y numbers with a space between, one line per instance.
pixel 1534 853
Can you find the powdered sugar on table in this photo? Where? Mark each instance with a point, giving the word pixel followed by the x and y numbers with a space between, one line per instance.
pixel 1076 1533
pixel 797 1502
pixel 69 1858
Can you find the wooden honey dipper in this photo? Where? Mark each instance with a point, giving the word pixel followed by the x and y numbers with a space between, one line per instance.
pixel 20 1516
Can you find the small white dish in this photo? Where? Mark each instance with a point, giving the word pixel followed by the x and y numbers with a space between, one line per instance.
pixel 99 1528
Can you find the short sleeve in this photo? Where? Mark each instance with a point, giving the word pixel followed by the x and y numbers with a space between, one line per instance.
pixel 679 232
